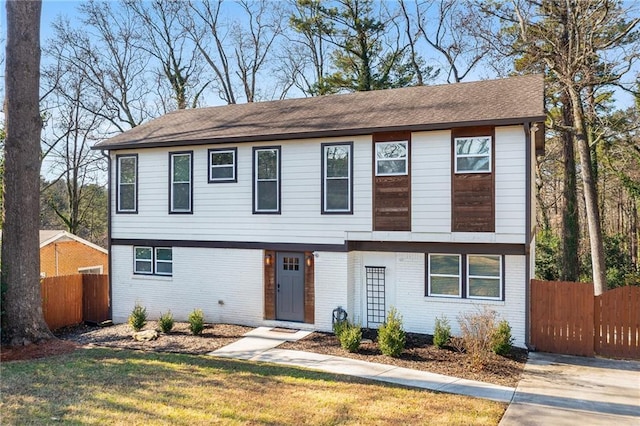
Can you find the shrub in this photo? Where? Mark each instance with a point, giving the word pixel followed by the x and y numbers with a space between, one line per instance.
pixel 477 331
pixel 196 322
pixel 339 327
pixel 138 317
pixel 442 332
pixel 391 336
pixel 165 322
pixel 501 340
pixel 350 337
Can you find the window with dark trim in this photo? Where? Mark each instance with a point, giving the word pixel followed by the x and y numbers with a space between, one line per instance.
pixel 337 181
pixel 153 261
pixel 127 183
pixel 266 177
pixel 473 154
pixel 181 182
pixel 484 276
pixel 222 165
pixel 445 275
pixel 392 158
pixel 470 276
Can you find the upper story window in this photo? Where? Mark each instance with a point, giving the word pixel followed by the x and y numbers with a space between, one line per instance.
pixel 266 173
pixel 180 185
pixel 484 276
pixel 337 182
pixel 153 260
pixel 222 165
pixel 473 154
pixel 392 158
pixel 127 183
pixel 445 275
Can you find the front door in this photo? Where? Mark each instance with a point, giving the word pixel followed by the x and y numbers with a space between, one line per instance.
pixel 290 287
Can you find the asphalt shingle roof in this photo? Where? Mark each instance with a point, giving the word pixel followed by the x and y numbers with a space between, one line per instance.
pixel 504 101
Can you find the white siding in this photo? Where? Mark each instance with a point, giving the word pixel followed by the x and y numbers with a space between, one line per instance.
pixel 406 291
pixel 510 169
pixel 226 284
pixel 217 205
pixel 331 287
pixel 431 184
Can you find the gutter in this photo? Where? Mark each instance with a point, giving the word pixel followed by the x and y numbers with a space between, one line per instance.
pixel 105 153
pixel 529 132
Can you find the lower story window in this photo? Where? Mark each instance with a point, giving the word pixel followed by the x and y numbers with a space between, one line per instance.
pixel 484 276
pixel 153 260
pixel 472 276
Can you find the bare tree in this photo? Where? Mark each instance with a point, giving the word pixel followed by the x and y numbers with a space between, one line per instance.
pixel 72 132
pixel 585 45
pixel 106 52
pixel 20 238
pixel 453 30
pixel 180 65
pixel 237 51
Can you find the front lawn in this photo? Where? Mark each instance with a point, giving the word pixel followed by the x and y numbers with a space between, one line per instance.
pixel 110 386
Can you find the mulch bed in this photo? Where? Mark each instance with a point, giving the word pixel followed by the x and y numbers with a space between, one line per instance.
pixel 419 354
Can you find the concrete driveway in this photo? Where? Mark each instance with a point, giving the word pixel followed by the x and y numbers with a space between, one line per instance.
pixel 568 390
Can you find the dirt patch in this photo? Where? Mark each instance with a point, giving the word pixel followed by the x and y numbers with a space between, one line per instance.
pixel 120 336
pixel 42 349
pixel 420 354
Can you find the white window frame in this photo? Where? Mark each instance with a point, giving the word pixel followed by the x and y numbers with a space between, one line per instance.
pixel 89 268
pixel 153 261
pixel 459 276
pixel 234 153
pixel 135 261
pixel 256 190
pixel 488 155
pixel 326 178
pixel 119 159
pixel 378 160
pixel 172 157
pixel 156 261
pixel 498 278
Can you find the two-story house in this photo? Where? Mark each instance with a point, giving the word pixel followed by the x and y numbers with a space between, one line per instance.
pixel 276 213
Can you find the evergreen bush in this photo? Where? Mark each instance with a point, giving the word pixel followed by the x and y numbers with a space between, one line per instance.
pixel 442 332
pixel 350 337
pixel 501 340
pixel 165 322
pixel 196 322
pixel 391 335
pixel 138 317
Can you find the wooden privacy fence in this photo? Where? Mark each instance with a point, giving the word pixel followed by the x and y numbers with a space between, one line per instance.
pixel 567 318
pixel 72 299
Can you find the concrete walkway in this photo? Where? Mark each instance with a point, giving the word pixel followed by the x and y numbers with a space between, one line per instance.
pixel 567 390
pixel 261 345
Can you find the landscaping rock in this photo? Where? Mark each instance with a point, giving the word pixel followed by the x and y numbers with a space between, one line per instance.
pixel 145 335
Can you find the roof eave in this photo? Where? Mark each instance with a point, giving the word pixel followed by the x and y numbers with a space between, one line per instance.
pixel 135 144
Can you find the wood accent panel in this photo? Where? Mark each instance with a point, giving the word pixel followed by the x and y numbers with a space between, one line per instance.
pixel 309 289
pixel 392 194
pixel 473 194
pixel 270 286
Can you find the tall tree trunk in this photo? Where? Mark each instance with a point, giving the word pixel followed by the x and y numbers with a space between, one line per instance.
pixel 570 217
pixel 20 242
pixel 590 195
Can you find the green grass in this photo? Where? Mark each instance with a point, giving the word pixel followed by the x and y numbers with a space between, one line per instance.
pixel 108 386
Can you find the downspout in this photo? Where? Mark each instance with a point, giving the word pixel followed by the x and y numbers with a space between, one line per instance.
pixel 529 130
pixel 105 154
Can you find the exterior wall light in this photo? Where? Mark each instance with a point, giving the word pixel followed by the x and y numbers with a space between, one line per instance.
pixel 267 260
